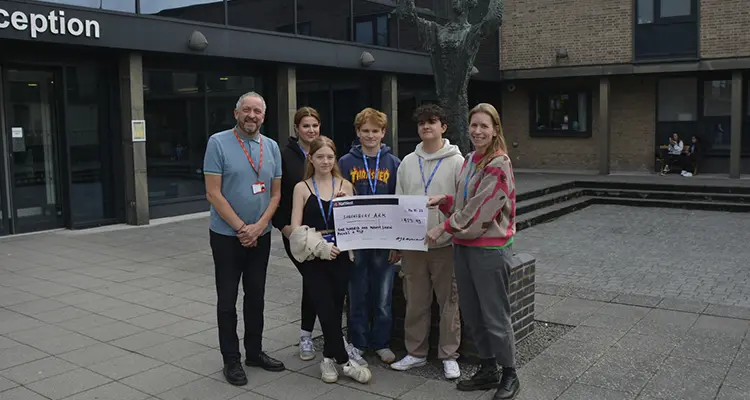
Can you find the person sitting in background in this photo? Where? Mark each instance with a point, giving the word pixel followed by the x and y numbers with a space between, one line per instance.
pixel 692 158
pixel 673 152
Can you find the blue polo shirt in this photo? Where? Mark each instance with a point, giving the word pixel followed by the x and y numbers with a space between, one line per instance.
pixel 225 157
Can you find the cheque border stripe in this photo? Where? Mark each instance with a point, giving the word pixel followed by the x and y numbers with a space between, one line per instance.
pixel 365 202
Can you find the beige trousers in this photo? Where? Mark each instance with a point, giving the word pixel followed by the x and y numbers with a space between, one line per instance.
pixel 425 272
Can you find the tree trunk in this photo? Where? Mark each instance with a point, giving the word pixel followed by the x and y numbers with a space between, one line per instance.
pixel 451 68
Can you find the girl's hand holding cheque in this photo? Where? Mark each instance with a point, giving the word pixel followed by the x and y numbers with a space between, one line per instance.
pixel 335 252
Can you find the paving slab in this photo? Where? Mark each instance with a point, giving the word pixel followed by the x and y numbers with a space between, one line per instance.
pixel 143 321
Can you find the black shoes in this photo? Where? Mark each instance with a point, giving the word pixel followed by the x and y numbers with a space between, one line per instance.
pixel 487 377
pixel 509 385
pixel 234 373
pixel 265 362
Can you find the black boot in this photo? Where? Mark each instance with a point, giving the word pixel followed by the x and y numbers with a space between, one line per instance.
pixel 234 373
pixel 509 385
pixel 487 377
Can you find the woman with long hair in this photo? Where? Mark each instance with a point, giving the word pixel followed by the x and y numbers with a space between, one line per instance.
pixel 325 271
pixel 481 218
pixel 293 160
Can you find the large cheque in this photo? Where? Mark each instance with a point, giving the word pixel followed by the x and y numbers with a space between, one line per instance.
pixel 381 222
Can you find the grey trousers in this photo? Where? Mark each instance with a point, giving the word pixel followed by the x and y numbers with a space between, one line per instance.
pixel 483 278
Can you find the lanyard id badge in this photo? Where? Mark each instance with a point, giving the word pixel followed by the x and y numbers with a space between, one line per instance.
pixel 259 186
pixel 373 182
pixel 426 184
pixel 329 237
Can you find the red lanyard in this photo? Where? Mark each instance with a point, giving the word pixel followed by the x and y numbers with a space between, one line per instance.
pixel 247 154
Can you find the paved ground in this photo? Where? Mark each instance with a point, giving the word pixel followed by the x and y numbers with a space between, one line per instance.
pixel 688 255
pixel 128 314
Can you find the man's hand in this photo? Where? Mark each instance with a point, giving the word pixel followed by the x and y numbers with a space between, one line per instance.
pixel 434 234
pixel 250 232
pixel 394 256
pixel 434 201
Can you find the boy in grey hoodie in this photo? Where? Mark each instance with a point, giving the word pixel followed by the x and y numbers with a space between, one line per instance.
pixel 430 170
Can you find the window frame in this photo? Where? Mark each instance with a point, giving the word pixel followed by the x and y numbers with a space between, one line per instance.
pixel 659 20
pixel 534 97
pixel 372 18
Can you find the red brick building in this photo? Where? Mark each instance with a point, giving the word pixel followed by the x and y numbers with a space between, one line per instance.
pixel 626 74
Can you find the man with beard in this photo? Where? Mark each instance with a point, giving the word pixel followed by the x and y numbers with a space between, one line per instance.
pixel 242 169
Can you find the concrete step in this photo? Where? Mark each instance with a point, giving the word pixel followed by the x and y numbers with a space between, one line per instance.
pixel 549 213
pixel 669 195
pixel 677 203
pixel 539 202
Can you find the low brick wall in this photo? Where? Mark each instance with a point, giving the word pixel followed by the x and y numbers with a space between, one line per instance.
pixel 522 298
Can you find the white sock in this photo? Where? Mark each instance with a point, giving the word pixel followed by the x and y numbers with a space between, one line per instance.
pixel 304 333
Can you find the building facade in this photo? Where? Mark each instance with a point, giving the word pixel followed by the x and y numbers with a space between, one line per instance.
pixel 600 84
pixel 80 79
pixel 592 85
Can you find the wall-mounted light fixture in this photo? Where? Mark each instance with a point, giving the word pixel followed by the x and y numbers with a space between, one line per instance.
pixel 366 59
pixel 561 53
pixel 474 70
pixel 197 41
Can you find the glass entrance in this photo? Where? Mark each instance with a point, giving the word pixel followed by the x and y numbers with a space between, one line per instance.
pixel 32 127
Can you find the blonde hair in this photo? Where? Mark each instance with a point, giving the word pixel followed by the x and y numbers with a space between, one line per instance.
pixel 498 141
pixel 372 116
pixel 317 144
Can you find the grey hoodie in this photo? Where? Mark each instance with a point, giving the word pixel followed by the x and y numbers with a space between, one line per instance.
pixel 409 179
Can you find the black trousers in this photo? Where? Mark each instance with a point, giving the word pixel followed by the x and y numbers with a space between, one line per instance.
pixel 308 309
pixel 233 262
pixel 327 283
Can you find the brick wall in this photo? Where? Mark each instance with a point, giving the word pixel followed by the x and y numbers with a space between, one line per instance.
pixel 632 128
pixel 724 28
pixel 633 110
pixel 592 32
pixel 522 285
pixel 544 153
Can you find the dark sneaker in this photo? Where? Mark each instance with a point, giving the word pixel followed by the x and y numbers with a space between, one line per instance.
pixel 234 373
pixel 509 387
pixel 265 362
pixel 487 377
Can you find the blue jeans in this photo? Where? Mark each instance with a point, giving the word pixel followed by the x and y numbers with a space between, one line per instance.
pixel 370 288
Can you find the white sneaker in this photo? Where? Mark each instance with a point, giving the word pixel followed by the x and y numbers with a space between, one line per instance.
pixel 386 355
pixel 359 373
pixel 451 369
pixel 306 348
pixel 354 354
pixel 409 362
pixel 328 372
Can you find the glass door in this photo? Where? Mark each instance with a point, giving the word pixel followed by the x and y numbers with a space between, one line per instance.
pixel 31 119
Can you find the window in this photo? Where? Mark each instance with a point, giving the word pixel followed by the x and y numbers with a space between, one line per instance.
pixel 561 114
pixel 664 11
pixel 89 140
pixel 717 98
pixel 677 99
pixel 675 8
pixel 645 11
pixel 193 10
pixel 371 30
pixel 303 28
pixel 115 5
pixel 182 110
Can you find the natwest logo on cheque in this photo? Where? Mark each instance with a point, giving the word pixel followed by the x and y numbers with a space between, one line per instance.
pixel 55 23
